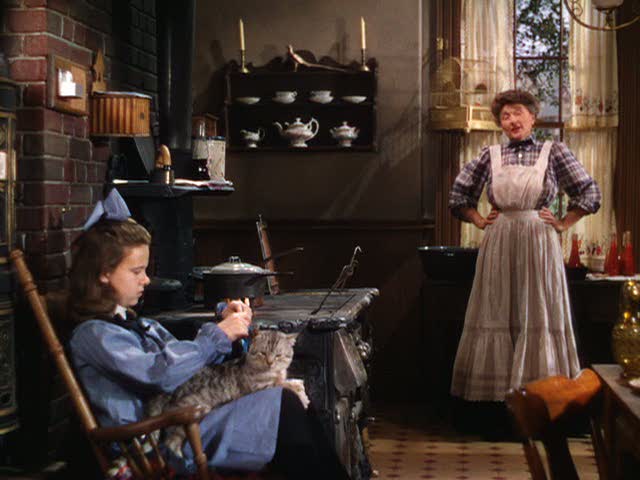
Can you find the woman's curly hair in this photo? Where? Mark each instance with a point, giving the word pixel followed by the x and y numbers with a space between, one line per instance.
pixel 511 97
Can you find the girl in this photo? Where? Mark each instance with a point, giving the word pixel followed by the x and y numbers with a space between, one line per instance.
pixel 122 360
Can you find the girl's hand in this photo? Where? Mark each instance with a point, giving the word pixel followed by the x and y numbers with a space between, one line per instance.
pixel 236 319
pixel 236 306
pixel 549 218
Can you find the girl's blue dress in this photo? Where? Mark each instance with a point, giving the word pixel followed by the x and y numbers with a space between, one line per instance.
pixel 120 369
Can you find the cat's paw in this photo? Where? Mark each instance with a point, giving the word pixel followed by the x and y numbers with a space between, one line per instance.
pixel 297 386
pixel 174 443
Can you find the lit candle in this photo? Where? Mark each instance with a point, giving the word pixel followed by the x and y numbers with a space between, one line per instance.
pixel 363 33
pixel 241 34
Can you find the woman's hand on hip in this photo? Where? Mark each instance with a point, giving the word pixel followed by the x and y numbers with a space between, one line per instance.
pixel 482 222
pixel 549 218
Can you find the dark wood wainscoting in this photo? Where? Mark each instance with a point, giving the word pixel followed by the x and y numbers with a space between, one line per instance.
pixel 389 262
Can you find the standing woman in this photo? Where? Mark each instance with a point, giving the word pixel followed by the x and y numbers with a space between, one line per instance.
pixel 517 326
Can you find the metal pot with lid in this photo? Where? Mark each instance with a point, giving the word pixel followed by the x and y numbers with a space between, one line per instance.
pixel 233 279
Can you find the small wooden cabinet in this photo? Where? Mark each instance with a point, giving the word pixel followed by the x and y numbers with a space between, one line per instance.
pixel 282 74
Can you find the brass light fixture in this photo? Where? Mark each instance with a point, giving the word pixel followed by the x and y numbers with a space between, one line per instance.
pixel 606 7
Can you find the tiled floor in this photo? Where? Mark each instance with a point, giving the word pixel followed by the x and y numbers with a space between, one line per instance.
pixel 407 446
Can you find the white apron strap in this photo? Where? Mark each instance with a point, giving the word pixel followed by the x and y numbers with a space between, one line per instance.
pixel 543 159
pixel 495 152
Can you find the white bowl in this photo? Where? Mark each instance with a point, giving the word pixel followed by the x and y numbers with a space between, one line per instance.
pixel 248 100
pixel 634 383
pixel 354 98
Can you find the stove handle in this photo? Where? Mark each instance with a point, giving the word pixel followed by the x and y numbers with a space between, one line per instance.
pixel 364 349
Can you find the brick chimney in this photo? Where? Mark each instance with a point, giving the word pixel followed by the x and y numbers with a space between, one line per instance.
pixel 61 170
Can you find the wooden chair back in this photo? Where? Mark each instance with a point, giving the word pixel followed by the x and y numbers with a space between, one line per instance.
pixel 133 439
pixel 267 255
pixel 543 409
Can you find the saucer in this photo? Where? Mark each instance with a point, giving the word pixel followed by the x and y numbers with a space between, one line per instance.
pixel 354 98
pixel 284 100
pixel 248 100
pixel 321 99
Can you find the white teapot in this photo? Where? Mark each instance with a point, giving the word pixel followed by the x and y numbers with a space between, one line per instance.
pixel 344 134
pixel 297 132
pixel 252 138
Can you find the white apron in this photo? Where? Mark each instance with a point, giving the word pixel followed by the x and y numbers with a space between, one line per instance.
pixel 517 327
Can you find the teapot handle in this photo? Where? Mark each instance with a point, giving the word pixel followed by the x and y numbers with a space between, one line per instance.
pixel 260 133
pixel 313 120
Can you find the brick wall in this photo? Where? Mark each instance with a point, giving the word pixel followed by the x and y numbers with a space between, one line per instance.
pixel 61 169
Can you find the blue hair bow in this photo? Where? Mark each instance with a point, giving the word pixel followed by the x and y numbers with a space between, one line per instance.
pixel 113 207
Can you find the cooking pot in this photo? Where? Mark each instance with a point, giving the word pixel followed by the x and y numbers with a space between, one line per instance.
pixel 232 279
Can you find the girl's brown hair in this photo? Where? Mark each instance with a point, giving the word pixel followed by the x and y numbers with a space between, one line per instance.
pixel 511 97
pixel 97 251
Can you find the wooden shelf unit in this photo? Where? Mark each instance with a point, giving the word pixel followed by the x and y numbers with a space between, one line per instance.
pixel 281 75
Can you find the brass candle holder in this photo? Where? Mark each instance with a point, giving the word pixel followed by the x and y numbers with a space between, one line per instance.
pixel 363 65
pixel 243 66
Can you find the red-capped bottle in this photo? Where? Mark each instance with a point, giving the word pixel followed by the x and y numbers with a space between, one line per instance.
pixel 612 266
pixel 627 263
pixel 574 256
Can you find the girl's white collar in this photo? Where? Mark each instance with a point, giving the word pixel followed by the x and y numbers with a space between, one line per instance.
pixel 120 310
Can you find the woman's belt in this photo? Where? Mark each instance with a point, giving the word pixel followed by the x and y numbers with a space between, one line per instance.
pixel 520 214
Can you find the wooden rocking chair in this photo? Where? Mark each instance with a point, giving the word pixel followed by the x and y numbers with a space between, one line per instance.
pixel 131 437
pixel 542 410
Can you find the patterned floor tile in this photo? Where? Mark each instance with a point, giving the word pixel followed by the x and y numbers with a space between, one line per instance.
pixel 409 447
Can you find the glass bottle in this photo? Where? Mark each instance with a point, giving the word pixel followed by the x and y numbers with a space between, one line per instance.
pixel 627 263
pixel 200 153
pixel 612 266
pixel 574 256
pixel 625 336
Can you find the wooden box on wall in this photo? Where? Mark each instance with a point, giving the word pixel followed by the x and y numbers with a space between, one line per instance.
pixel 120 114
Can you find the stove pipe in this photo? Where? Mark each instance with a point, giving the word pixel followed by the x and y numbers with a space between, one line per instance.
pixel 176 33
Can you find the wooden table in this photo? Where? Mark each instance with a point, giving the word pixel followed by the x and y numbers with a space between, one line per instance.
pixel 621 423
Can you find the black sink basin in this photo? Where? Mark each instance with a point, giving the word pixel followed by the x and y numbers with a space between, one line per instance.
pixel 454 264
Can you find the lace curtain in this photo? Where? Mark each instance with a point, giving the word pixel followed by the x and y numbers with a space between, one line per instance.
pixel 482 41
pixel 591 132
pixel 591 123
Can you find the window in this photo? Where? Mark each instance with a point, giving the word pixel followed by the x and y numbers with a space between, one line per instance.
pixel 541 65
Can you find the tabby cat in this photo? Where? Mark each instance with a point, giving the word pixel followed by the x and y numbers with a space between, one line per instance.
pixel 263 366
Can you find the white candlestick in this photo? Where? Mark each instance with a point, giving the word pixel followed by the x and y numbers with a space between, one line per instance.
pixel 363 33
pixel 241 25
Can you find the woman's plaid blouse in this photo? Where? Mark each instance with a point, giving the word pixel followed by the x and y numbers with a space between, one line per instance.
pixel 564 171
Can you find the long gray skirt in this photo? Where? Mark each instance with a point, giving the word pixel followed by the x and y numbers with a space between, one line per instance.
pixel 517 326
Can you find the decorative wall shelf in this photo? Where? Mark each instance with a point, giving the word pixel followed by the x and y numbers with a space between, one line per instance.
pixel 283 74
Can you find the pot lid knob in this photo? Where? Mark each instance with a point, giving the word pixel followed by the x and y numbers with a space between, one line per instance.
pixel 235 265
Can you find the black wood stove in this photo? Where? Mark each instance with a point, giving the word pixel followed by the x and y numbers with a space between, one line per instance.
pixel 331 356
